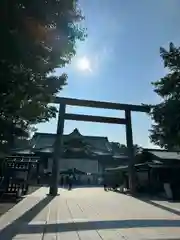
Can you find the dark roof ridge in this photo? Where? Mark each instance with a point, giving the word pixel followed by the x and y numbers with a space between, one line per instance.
pixel 159 150
pixel 42 133
pixel 53 134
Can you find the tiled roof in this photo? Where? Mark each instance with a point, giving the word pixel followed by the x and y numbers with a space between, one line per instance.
pixel 163 154
pixel 125 167
pixel 44 140
pixel 166 155
pixel 21 143
pixel 98 143
pixel 118 151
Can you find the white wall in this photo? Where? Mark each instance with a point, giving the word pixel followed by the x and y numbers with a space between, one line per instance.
pixel 85 165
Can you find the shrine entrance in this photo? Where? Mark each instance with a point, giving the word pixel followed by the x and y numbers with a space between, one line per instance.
pixel 19 173
pixel 128 108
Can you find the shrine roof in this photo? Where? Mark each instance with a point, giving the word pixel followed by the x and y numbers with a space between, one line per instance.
pixel 98 145
pixel 46 140
pixel 162 154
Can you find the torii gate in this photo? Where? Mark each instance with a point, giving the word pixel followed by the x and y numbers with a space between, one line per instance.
pixel 63 102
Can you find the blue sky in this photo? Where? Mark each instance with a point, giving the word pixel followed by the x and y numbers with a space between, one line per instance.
pixel 124 37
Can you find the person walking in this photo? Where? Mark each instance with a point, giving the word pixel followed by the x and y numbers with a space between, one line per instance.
pixel 105 184
pixel 70 180
pixel 62 182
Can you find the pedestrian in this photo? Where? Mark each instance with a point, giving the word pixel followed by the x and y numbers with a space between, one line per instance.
pixel 89 181
pixel 70 180
pixel 38 179
pixel 105 185
pixel 62 182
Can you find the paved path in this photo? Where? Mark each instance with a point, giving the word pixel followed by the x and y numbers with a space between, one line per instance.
pixel 87 214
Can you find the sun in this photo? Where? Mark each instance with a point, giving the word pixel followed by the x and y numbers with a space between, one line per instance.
pixel 84 64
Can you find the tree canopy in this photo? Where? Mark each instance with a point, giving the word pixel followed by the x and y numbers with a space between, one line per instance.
pixel 123 148
pixel 165 131
pixel 37 37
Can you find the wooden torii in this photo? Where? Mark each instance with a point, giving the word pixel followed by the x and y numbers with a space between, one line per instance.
pixel 63 102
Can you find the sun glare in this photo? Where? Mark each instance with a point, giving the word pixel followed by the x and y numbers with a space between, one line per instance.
pixel 84 64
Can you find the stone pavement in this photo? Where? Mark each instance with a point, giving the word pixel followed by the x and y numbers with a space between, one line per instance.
pixel 86 214
pixel 170 206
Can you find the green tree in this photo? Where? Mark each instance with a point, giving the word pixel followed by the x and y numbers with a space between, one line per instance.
pixel 165 131
pixel 38 37
pixel 122 148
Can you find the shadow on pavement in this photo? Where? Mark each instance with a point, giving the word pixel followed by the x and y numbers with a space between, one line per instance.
pixel 12 229
pixel 21 225
pixel 100 225
pixel 155 204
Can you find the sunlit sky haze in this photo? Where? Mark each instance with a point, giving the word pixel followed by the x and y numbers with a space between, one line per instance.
pixel 118 61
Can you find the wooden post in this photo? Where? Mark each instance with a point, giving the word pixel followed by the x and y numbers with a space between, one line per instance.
pixel 57 151
pixel 129 139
